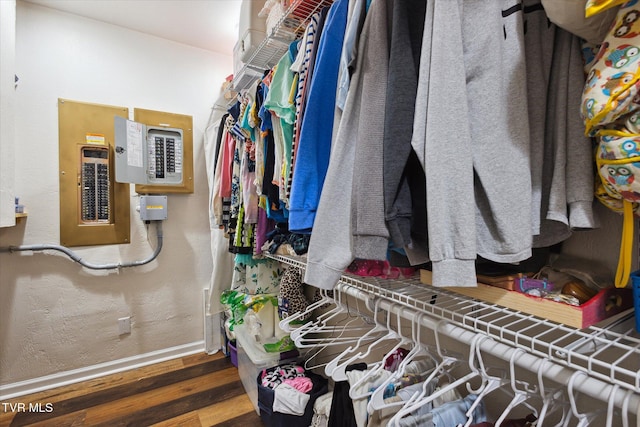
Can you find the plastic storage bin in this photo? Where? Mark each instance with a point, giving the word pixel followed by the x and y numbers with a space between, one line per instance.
pixel 252 359
pixel 233 353
pixel 252 29
pixel 635 281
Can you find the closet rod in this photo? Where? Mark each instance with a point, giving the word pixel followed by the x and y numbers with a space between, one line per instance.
pixel 585 384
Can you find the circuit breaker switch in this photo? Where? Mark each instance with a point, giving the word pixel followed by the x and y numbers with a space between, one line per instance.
pixel 153 208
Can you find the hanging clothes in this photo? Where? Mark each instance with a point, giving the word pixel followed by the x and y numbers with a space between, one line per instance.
pixel 370 234
pixel 248 169
pixel 331 247
pixel 405 206
pixel 394 153
pixel 562 177
pixel 315 134
pixel 282 106
pixel 215 199
pixel 356 15
pixel 301 66
pixel 471 137
pixel 342 413
pixel 449 414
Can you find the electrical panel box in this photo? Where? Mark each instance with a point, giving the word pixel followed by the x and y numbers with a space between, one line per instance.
pixel 148 155
pixel 155 152
pixel 94 208
pixel 153 208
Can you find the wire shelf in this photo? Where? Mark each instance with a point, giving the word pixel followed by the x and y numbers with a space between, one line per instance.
pixel 290 27
pixel 610 353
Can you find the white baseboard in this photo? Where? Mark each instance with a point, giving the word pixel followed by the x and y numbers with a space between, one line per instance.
pixel 9 391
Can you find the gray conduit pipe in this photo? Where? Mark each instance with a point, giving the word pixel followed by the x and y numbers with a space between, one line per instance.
pixel 584 384
pixel 75 257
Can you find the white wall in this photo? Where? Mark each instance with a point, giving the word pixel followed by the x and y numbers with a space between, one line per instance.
pixel 54 315
pixel 7 106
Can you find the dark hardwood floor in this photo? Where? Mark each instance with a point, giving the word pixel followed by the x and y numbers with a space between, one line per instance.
pixel 197 390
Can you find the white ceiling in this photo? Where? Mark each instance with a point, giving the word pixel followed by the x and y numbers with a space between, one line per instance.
pixel 206 24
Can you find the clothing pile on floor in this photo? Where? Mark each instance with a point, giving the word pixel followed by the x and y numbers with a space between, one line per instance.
pixel 287 394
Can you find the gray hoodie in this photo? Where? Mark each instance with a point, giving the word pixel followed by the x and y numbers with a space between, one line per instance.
pixel 562 171
pixel 472 137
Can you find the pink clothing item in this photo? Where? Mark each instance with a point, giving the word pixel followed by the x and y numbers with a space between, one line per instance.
pixel 374 268
pixel 392 362
pixel 303 384
pixel 366 267
pixel 227 162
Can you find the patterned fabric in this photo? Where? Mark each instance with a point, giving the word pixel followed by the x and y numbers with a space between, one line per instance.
pixel 301 66
pixel 611 108
pixel 614 78
pixel 620 178
pixel 244 234
pixel 273 377
pixel 236 195
pixel 291 297
pixel 239 305
pixel 226 213
pixel 261 277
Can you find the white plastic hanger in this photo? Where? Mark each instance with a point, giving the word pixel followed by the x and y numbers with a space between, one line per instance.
pixel 340 307
pixel 446 364
pixel 339 373
pixel 376 402
pixel 326 298
pixel 520 396
pixel 611 404
pixel 583 419
pixel 330 342
pixel 298 329
pixel 378 367
pixel 413 404
pixel 285 324
pixel 346 331
pixel 340 332
pixel 625 408
pixel 378 330
pixel 324 323
pixel 552 400
pixel 489 383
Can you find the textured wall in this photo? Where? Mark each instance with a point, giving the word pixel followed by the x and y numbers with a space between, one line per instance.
pixel 54 315
pixel 7 107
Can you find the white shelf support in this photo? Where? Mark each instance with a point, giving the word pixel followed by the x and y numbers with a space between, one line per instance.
pixel 609 357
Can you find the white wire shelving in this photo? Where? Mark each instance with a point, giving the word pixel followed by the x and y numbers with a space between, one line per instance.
pixel 267 54
pixel 609 352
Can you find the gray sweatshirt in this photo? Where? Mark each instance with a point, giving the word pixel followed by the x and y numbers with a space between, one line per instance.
pixel 562 155
pixel 331 247
pixel 371 238
pixel 471 134
pixel 566 169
